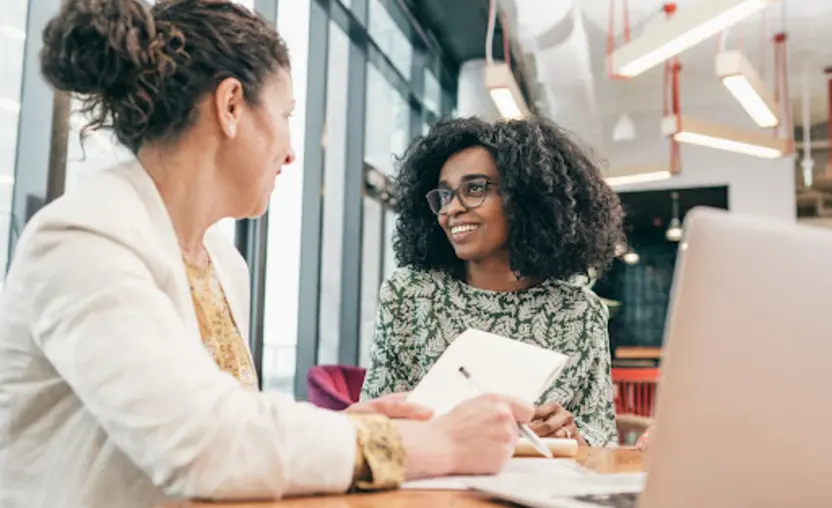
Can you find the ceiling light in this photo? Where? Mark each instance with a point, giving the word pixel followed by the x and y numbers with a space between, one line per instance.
pixel 722 137
pixel 6 179
pixel 631 257
pixel 739 76
pixel 620 176
pixel 674 228
pixel 504 91
pixel 686 28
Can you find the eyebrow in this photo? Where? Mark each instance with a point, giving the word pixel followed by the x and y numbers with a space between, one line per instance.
pixel 468 178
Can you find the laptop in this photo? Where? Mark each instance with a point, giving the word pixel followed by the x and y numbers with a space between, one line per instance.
pixel 744 409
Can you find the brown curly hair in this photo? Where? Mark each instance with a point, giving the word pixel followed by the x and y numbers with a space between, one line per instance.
pixel 141 70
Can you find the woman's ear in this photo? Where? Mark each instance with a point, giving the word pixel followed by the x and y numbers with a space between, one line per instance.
pixel 229 99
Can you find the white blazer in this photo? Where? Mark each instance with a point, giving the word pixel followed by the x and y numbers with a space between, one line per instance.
pixel 108 397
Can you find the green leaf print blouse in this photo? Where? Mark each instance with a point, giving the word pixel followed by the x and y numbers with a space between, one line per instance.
pixel 420 313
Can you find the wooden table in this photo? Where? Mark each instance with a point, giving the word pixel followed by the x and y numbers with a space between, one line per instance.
pixel 602 460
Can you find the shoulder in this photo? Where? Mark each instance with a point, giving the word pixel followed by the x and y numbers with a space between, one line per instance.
pixel 578 298
pixel 110 210
pixel 414 280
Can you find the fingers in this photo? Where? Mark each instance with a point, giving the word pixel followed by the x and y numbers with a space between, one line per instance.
pixel 545 411
pixel 549 427
pixel 522 412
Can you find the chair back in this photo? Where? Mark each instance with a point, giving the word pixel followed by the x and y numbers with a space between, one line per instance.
pixel 334 387
pixel 635 390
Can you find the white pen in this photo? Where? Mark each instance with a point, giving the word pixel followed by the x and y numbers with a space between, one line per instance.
pixel 539 445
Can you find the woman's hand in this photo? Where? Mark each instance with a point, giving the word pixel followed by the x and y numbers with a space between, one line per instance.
pixel 394 406
pixel 644 440
pixel 477 437
pixel 552 420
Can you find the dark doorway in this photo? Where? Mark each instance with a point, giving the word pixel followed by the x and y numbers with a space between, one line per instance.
pixel 641 290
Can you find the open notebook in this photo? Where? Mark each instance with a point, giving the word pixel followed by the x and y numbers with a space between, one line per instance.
pixel 498 364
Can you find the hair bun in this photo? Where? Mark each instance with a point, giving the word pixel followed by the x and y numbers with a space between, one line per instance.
pixel 98 47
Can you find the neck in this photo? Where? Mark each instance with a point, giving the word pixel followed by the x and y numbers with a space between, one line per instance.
pixel 494 274
pixel 187 184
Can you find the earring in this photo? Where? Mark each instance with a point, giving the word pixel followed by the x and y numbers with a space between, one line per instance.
pixel 232 130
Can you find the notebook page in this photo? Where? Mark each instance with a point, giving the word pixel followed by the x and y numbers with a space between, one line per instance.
pixel 497 364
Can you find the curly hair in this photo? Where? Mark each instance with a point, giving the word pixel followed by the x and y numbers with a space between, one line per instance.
pixel 141 70
pixel 563 218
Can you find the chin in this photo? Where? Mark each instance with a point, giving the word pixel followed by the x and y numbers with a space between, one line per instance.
pixel 468 254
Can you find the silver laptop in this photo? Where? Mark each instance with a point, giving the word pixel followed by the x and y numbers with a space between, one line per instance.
pixel 745 401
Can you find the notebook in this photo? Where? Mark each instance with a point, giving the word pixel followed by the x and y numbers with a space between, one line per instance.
pixel 497 364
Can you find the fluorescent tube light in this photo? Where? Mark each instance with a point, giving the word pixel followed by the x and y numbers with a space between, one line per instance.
pixel 738 75
pixel 504 91
pixel 722 137
pixel 686 28
pixel 618 177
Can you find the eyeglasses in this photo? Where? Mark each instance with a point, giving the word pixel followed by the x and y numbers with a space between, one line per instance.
pixel 471 194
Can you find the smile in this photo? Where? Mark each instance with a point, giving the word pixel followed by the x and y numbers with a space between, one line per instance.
pixel 462 230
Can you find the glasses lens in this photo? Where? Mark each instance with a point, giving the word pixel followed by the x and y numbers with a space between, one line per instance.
pixel 436 200
pixel 473 193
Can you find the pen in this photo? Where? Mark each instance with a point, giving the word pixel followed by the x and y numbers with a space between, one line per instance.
pixel 529 433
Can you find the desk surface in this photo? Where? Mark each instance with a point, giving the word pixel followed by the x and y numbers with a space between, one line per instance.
pixel 602 460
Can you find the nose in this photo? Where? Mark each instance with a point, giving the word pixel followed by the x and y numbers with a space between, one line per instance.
pixel 454 207
pixel 290 157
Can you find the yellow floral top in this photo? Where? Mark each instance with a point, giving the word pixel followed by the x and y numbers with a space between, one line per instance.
pixel 379 455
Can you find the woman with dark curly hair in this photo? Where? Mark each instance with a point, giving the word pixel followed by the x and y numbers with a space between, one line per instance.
pixel 500 226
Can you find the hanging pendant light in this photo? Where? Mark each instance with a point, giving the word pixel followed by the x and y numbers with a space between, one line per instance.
pixel 674 228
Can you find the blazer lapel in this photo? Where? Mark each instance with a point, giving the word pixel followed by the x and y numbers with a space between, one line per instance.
pixel 163 227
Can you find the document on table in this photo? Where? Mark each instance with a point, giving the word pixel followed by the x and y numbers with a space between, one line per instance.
pixel 538 490
pixel 500 364
pixel 553 469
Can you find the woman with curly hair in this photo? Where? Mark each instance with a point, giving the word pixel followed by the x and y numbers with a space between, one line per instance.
pixel 500 226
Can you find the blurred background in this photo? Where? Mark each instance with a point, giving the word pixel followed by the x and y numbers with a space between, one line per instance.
pixel 696 102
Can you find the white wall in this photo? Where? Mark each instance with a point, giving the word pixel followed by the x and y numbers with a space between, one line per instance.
pixel 472 97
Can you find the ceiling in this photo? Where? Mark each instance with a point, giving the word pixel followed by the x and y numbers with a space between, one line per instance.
pixel 459 26
pixel 566 41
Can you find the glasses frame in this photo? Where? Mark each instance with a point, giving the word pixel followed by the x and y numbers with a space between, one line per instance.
pixel 455 194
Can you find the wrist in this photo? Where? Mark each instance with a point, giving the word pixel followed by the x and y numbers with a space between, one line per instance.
pixel 429 451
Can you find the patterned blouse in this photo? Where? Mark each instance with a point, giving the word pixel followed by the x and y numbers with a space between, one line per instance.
pixel 420 313
pixel 380 457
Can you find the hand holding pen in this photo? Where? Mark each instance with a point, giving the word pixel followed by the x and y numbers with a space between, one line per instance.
pixel 523 427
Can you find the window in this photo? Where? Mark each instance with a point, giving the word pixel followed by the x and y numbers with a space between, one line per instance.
pixel 332 233
pixel 390 38
pixel 283 262
pixel 372 252
pixel 387 119
pixel 433 93
pixel 12 40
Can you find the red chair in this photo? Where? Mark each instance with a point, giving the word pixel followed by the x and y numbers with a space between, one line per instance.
pixel 334 387
pixel 635 390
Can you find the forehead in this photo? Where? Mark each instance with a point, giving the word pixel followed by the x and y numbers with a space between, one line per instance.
pixel 474 161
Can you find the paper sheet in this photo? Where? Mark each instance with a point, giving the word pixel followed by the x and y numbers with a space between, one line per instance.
pixel 496 364
pixel 550 468
pixel 537 489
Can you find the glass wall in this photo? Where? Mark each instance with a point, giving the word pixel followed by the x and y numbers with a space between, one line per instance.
pixel 335 154
pixel 284 232
pixel 12 40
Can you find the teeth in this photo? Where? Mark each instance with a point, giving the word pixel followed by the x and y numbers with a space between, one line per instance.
pixel 463 228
